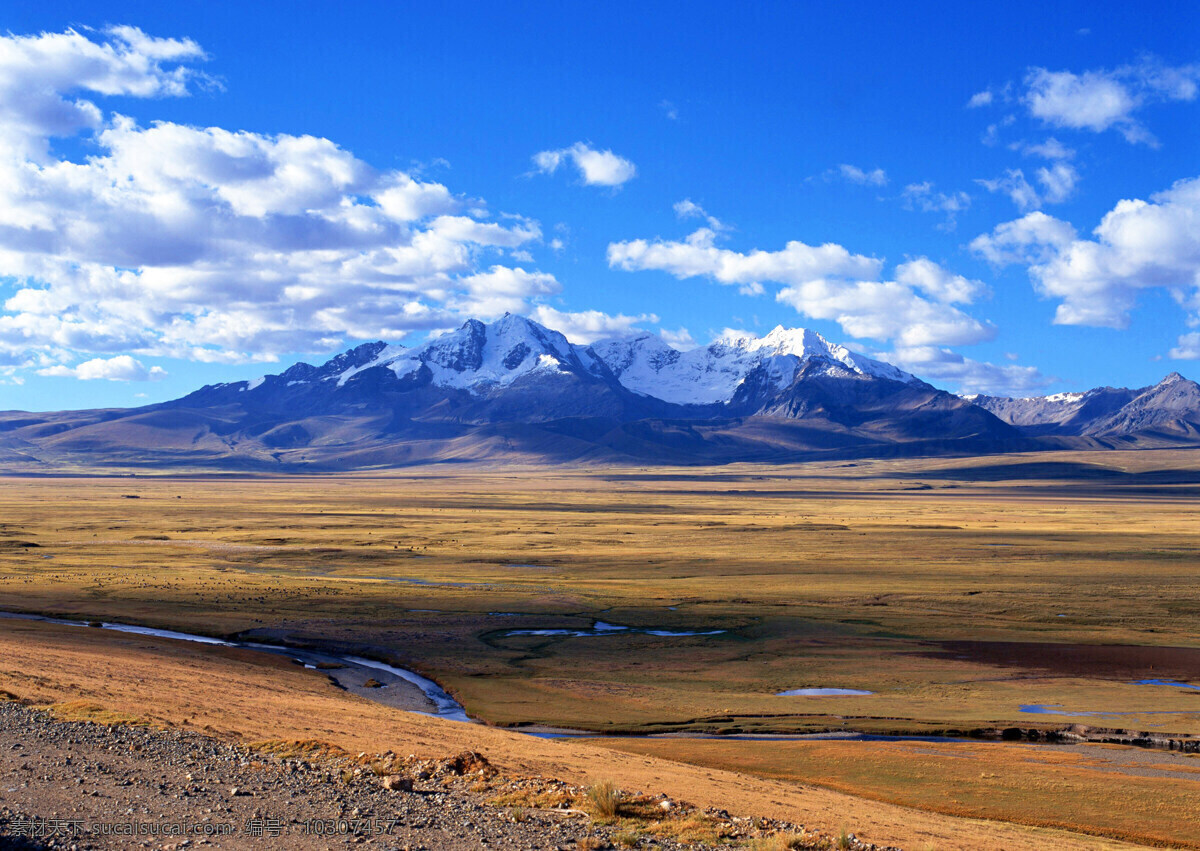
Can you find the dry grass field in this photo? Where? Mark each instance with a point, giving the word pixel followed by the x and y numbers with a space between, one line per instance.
pixel 264 699
pixel 957 591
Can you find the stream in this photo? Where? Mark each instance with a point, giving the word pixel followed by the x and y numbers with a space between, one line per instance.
pixel 451 710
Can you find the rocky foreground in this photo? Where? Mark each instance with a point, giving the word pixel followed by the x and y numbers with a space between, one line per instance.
pixel 94 785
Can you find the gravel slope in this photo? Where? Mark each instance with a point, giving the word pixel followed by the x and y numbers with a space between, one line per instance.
pixel 82 785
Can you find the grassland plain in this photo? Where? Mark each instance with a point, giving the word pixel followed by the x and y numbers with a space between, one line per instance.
pixel 957 591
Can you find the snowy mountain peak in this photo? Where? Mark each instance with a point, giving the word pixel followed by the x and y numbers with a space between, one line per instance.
pixel 478 356
pixel 713 374
pixel 484 357
pixel 795 341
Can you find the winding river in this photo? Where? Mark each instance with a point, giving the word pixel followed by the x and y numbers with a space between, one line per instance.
pixel 446 707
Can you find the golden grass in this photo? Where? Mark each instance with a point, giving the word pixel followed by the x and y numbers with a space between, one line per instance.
pixel 825 575
pixel 1043 786
pixel 307 749
pixel 93 713
pixel 845 575
pixel 605 798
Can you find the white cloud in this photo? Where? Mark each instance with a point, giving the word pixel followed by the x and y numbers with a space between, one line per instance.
pixel 680 339
pixel 923 197
pixel 966 375
pixel 854 174
pixel 40 73
pixel 1102 99
pixel 596 168
pixel 689 209
pixel 1051 149
pixel 1015 186
pixel 1187 347
pixel 209 244
pixel 979 99
pixel 1137 245
pixel 587 326
pixel 119 368
pixel 823 282
pixel 885 310
pixel 698 255
pixel 1031 239
pixel 670 110
pixel 1058 184
pixel 937 283
pixel 501 290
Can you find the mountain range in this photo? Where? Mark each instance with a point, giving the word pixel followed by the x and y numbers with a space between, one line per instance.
pixel 513 390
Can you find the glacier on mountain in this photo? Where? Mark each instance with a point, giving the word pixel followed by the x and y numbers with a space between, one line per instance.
pixel 712 374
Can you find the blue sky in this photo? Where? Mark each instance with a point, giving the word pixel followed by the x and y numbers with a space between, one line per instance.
pixel 997 197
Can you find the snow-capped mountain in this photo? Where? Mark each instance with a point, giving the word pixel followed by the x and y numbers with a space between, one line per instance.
pixel 481 357
pixel 510 369
pixel 1169 409
pixel 515 389
pixel 713 374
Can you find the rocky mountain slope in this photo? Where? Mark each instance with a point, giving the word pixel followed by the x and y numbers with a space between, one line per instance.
pixel 513 390
pixel 1165 413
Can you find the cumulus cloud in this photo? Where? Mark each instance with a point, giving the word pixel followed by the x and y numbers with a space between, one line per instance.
pixel 689 209
pixel 1058 181
pixel 1050 149
pixel 823 282
pixel 923 197
pixel 863 177
pixel 1057 184
pixel 1016 187
pixel 210 244
pixel 884 310
pixel 937 283
pixel 979 99
pixel 40 74
pixel 119 368
pixel 966 375
pixel 1137 245
pixel 698 255
pixel 681 339
pixel 587 326
pixel 1031 239
pixel 596 168
pixel 1102 99
pixel 1187 347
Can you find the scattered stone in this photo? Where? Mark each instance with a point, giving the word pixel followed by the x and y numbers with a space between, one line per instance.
pixel 397 783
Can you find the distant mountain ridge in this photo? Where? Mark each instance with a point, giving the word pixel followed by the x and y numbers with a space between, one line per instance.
pixel 1167 412
pixel 514 390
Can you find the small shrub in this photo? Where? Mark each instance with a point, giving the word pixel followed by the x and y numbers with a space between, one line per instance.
pixel 605 798
pixel 843 840
pixel 94 713
pixel 780 842
pixel 518 814
pixel 590 843
pixel 627 838
pixel 308 749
